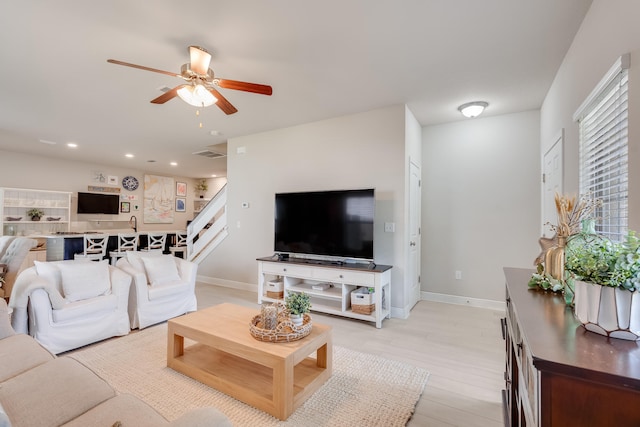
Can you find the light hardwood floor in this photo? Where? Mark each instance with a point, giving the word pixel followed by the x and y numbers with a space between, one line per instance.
pixel 460 346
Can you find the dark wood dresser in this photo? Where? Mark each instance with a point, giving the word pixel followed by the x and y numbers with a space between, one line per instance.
pixel 558 373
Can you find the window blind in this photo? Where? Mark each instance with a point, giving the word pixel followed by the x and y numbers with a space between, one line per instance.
pixel 603 131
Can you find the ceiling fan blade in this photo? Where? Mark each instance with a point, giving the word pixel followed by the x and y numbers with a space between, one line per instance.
pixel 200 60
pixel 168 95
pixel 247 87
pixel 222 103
pixel 141 67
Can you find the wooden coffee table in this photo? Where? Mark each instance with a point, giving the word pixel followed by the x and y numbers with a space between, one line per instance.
pixel 274 377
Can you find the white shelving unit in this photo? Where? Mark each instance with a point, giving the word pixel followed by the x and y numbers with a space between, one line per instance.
pixel 301 276
pixel 199 204
pixel 15 203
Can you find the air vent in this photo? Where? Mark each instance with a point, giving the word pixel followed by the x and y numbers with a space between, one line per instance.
pixel 209 154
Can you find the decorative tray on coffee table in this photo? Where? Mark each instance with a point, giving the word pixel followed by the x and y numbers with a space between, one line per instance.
pixel 285 331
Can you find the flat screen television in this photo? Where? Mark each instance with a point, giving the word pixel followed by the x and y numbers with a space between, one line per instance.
pixel 95 203
pixel 325 223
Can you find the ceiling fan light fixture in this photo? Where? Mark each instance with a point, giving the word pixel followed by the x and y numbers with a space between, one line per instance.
pixel 197 95
pixel 473 109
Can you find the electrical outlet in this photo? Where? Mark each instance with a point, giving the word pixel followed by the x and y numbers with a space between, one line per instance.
pixel 458 275
pixel 389 227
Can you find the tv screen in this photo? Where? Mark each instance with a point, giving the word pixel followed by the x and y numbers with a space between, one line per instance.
pixel 94 203
pixel 326 223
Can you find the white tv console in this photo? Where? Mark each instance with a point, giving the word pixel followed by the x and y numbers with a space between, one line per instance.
pixel 299 275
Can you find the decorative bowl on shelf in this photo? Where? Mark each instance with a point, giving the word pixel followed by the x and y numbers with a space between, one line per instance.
pixel 51 218
pixel 14 218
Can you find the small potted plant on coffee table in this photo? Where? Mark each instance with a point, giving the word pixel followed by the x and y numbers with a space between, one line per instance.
pixel 298 303
pixel 35 214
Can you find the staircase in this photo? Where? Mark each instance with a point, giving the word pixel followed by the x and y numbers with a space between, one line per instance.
pixel 208 229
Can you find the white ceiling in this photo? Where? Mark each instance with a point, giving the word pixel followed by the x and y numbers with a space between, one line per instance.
pixel 323 59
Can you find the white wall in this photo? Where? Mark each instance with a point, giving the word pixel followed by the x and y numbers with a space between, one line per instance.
pixel 480 203
pixel 609 30
pixel 364 150
pixel 19 170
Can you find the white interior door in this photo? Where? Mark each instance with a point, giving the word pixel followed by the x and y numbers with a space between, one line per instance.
pixel 413 269
pixel 551 183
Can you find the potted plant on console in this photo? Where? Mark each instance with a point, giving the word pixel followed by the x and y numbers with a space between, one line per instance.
pixel 35 214
pixel 298 303
pixel 606 275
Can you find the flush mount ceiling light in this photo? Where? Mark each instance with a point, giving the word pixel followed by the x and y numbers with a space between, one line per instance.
pixel 473 109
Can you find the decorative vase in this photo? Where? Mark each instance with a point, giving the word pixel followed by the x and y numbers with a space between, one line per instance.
pixel 35 218
pixel 554 259
pixel 269 316
pixel 296 319
pixel 612 312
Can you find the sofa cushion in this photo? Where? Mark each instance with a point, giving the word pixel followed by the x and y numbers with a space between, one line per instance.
pixel 161 270
pixel 53 393
pixel 83 280
pixel 135 258
pixel 85 309
pixel 19 353
pixel 127 409
pixel 176 287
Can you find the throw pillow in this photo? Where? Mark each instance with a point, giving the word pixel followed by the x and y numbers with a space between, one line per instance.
pixel 49 271
pixel 161 269
pixel 5 326
pixel 135 258
pixel 84 279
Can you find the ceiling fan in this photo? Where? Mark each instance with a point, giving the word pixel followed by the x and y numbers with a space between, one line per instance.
pixel 199 89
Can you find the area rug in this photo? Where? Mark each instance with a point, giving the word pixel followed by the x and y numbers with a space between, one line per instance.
pixel 364 390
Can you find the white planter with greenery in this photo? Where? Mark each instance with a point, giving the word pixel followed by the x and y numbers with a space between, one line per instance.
pixel 298 304
pixel 613 312
pixel 607 279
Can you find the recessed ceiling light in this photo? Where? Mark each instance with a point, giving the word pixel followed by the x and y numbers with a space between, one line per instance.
pixel 129 155
pixel 214 176
pixel 173 164
pixel 72 145
pixel 44 141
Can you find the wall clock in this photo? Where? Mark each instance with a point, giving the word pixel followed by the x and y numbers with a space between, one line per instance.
pixel 130 183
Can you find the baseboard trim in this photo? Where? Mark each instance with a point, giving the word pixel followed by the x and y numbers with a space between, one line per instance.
pixel 454 299
pixel 228 283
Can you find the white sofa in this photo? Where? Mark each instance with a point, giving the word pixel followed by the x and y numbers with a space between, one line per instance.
pixel 163 287
pixel 69 304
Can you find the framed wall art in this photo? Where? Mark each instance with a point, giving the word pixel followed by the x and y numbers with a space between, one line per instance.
pixel 125 207
pixel 158 206
pixel 181 189
pixel 181 205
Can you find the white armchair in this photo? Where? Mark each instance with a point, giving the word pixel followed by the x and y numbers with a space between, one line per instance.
pixel 163 287
pixel 69 304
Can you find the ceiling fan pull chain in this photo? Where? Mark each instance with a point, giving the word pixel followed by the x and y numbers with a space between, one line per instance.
pixel 198 114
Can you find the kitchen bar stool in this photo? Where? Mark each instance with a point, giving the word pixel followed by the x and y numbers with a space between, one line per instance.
pixel 95 247
pixel 155 242
pixel 126 242
pixel 181 244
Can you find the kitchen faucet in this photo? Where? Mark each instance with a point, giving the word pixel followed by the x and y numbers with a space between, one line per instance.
pixel 133 222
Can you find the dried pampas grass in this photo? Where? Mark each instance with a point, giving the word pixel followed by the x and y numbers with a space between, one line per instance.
pixel 571 213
